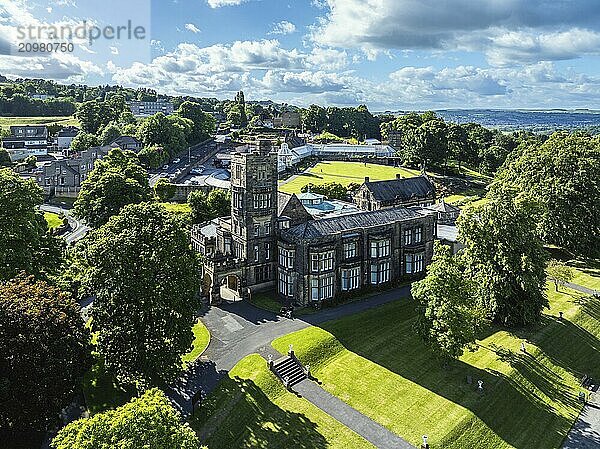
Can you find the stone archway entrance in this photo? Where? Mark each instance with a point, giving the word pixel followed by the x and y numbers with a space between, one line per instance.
pixel 230 289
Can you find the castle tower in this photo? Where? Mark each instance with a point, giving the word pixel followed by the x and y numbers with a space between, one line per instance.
pixel 254 211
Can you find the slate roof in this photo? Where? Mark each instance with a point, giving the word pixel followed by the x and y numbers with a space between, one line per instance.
pixel 282 200
pixel 126 140
pixel 344 223
pixel 442 206
pixel 403 189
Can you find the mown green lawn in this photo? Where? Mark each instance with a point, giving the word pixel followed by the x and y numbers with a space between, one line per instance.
pixel 53 220
pixel 344 173
pixel 201 340
pixel 251 409
pixel 12 121
pixel 375 362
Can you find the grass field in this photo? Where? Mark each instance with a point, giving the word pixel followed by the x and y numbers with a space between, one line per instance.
pixel 5 122
pixel 376 363
pixel 343 173
pixel 177 208
pixel 53 220
pixel 201 340
pixel 251 409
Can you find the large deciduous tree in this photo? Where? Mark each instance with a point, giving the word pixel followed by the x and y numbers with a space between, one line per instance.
pixel 25 243
pixel 117 180
pixel 145 277
pixel 563 174
pixel 450 311
pixel 505 253
pixel 146 422
pixel 203 123
pixel 44 352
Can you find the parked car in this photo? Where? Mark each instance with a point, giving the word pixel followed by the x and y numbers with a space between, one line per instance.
pixel 177 161
pixel 166 167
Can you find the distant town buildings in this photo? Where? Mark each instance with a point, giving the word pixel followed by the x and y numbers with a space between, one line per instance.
pixel 63 177
pixel 25 141
pixel 287 119
pixel 127 143
pixel 394 139
pixel 148 108
pixel 65 137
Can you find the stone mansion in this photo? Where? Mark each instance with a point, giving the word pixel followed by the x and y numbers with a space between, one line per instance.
pixel 270 241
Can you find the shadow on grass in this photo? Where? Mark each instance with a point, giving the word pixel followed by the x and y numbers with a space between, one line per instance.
pixel 240 415
pixel 512 409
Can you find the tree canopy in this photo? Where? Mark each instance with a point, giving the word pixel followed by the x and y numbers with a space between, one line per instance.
pixel 117 180
pixel 44 352
pixel 507 257
pixel 563 175
pixel 144 275
pixel 145 422
pixel 203 123
pixel 450 312
pixel 25 243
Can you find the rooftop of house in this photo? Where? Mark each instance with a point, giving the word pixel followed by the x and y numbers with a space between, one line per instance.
pixel 350 222
pixel 442 206
pixel 29 131
pixel 126 140
pixel 401 188
pixel 70 131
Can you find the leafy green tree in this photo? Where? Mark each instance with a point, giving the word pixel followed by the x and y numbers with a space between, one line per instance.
pixel 5 158
pixel 426 144
pixel 117 180
pixel 145 277
pixel 314 118
pixel 450 314
pixel 164 190
pixel 25 243
pixel 332 190
pixel 166 132
pixel 145 422
pixel 458 144
pixel 198 202
pixel 153 156
pixel 562 174
pixel 95 114
pixel 109 134
pixel 44 352
pixel 30 161
pixel 84 141
pixel 506 255
pixel 559 272
pixel 219 203
pixel 203 123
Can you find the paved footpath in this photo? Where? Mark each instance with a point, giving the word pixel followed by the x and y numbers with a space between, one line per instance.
pixel 240 329
pixel 585 433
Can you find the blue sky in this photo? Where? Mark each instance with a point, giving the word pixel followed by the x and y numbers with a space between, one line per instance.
pixel 388 54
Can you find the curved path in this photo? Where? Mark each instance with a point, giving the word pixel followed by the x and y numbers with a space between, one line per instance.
pixel 239 329
pixel 78 228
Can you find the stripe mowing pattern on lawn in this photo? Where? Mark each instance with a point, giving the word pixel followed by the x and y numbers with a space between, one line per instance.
pixel 251 409
pixel 375 362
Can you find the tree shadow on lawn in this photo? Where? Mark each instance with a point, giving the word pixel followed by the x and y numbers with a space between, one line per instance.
pixel 512 410
pixel 240 415
pixel 567 344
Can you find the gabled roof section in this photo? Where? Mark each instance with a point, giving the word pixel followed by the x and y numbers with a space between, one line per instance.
pixel 345 223
pixel 404 189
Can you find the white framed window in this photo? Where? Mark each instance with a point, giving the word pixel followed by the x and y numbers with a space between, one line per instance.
pixel 256 230
pixel 261 200
pixel 286 284
pixel 267 251
pixel 408 236
pixel 321 288
pixel 286 257
pixel 418 234
pixel 227 245
pixel 408 263
pixel 418 262
pixel 380 273
pixel 267 228
pixel 350 278
pixel 256 253
pixel 350 250
pixel 321 261
pixel 380 248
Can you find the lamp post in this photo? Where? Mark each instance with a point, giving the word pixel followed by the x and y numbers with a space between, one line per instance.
pixel 425 445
